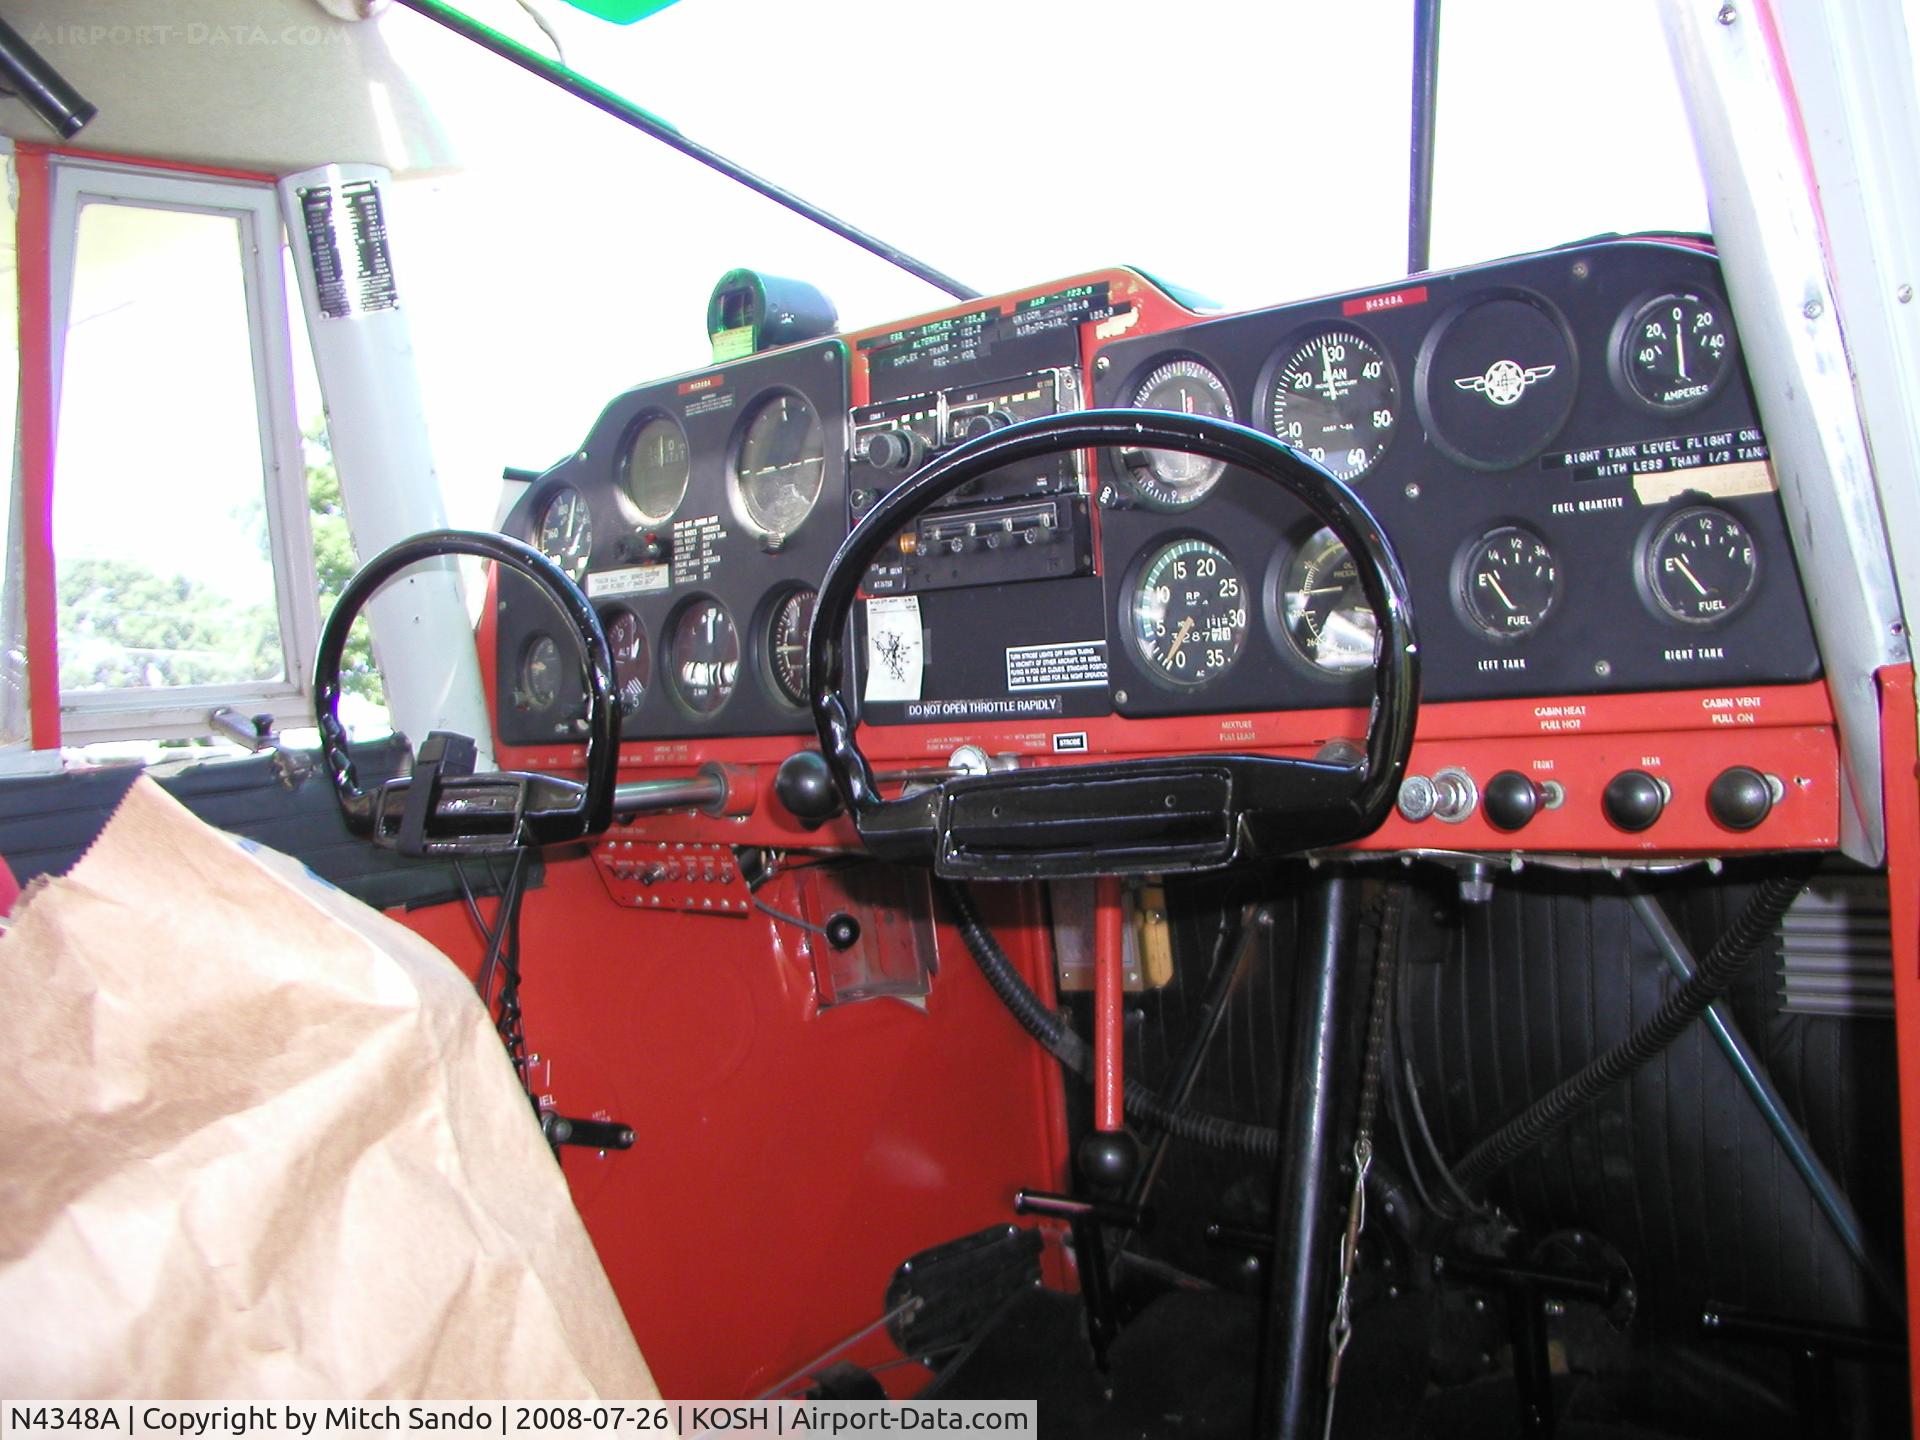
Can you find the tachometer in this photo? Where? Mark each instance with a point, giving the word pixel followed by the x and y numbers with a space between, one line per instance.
pixel 787 644
pixel 1323 611
pixel 1189 613
pixel 1700 565
pixel 1509 581
pixel 781 462
pixel 1334 397
pixel 1167 479
pixel 704 656
pixel 565 532
pixel 654 469
pixel 632 656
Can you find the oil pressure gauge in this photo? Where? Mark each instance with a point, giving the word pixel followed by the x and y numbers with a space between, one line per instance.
pixel 1509 581
pixel 1322 608
pixel 1168 479
pixel 1700 565
pixel 1673 351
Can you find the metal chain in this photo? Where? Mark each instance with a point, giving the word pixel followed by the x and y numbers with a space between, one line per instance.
pixel 1340 1330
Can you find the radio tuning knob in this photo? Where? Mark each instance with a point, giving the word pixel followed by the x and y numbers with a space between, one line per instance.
pixel 985 423
pixel 894 450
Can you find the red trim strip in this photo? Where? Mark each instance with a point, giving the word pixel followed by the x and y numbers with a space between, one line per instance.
pixel 33 239
pixel 1900 752
pixel 1108 997
pixel 144 162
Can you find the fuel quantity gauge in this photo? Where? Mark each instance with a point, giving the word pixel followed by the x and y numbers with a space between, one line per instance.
pixel 1700 565
pixel 1509 581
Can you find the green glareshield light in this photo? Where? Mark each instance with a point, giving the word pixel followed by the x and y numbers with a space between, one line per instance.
pixel 620 12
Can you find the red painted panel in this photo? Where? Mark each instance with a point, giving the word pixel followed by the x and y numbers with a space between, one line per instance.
pixel 787 1161
pixel 1900 757
pixel 31 230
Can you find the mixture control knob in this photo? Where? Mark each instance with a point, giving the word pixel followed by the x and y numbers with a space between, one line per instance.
pixel 803 785
pixel 1510 800
pixel 894 450
pixel 1741 797
pixel 1633 800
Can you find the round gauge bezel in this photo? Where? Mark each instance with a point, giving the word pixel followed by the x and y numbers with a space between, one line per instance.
pixel 608 618
pixel 1621 374
pixel 766 616
pixel 736 448
pixel 1462 573
pixel 550 497
pixel 1273 591
pixel 1139 478
pixel 1267 390
pixel 1644 565
pixel 671 680
pixel 623 467
pixel 523 687
pixel 1423 377
pixel 1135 577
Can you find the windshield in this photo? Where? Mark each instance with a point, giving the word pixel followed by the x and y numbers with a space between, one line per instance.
pixel 1251 154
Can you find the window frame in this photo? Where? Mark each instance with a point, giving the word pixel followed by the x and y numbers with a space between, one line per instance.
pixel 178 712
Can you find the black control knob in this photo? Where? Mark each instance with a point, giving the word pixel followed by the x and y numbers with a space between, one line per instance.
pixel 803 785
pixel 894 450
pixel 1740 798
pixel 1510 800
pixel 1633 800
pixel 985 423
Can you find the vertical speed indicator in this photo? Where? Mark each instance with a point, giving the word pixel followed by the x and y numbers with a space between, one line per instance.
pixel 1335 397
pixel 1188 613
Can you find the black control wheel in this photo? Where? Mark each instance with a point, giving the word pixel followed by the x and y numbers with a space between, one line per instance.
pixel 443 808
pixel 1183 813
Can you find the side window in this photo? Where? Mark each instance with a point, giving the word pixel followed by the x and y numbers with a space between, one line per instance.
pixel 181 532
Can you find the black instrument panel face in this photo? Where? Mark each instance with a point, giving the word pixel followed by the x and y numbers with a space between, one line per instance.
pixel 1562 448
pixel 698 517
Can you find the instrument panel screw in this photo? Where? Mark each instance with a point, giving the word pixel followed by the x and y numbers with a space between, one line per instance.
pixel 1101 364
pixel 1119 697
pixel 1814 310
pixel 1602 668
pixel 1413 490
pixel 1581 269
pixel 1728 14
pixel 1904 294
